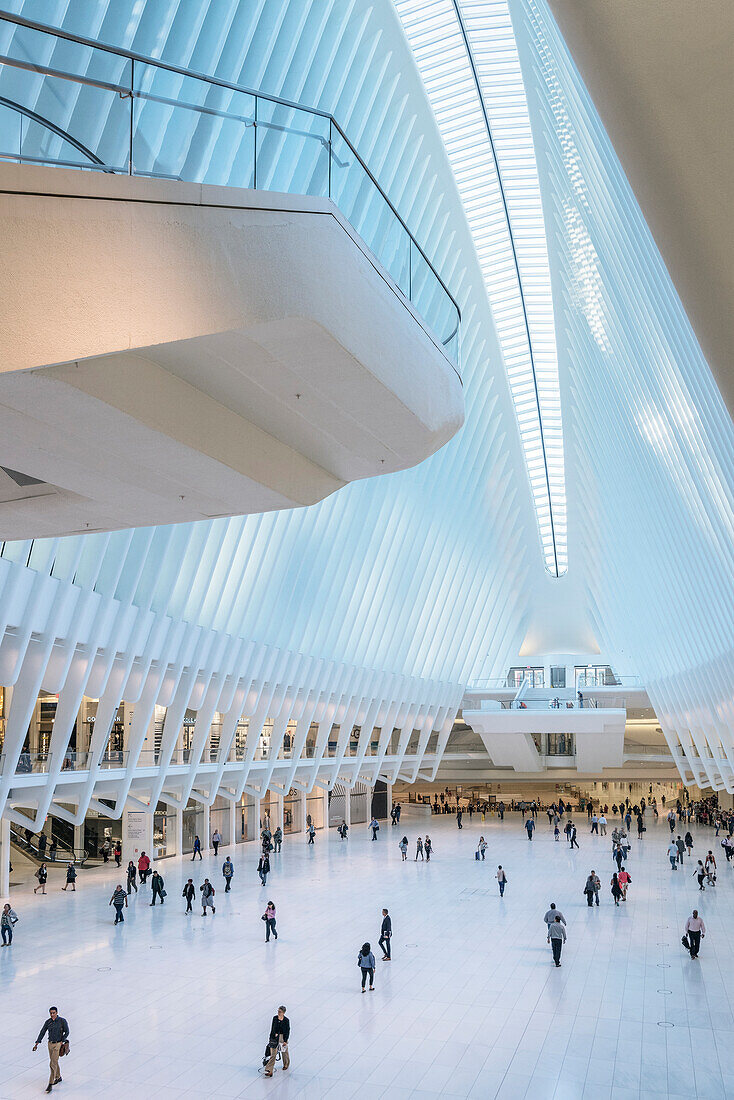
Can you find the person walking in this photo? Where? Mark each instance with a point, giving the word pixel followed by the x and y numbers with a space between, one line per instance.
pixel 624 880
pixel 311 830
pixel 403 846
pixel 616 888
pixel 529 827
pixel 595 824
pixel 551 915
pixel 42 845
pixel 227 871
pixel 70 877
pixel 131 876
pixel 106 849
pixel 482 848
pixel 688 841
pixel 207 896
pixel 427 847
pixel 42 876
pixel 143 868
pixel 8 920
pixel 57 1030
pixel 572 835
pixel 157 885
pixel 501 811
pixel 216 841
pixel 375 827
pixel 710 866
pixel 263 867
pixel 343 829
pixel 693 933
pixel 189 892
pixel 366 963
pixel 680 845
pixel 501 880
pixel 269 918
pixel 119 900
pixel 699 873
pixel 418 849
pixel 591 889
pixel 197 849
pixel 278 839
pixel 118 853
pixel 602 824
pixel 385 936
pixel 459 815
pixel 556 938
pixel 673 854
pixel 280 1031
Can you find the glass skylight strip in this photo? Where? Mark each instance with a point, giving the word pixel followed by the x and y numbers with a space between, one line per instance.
pixel 464 49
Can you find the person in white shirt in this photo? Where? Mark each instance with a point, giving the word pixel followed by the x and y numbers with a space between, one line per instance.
pixel 673 855
pixel 602 825
pixel 694 930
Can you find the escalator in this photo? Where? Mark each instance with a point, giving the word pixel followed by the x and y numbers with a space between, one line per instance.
pixel 57 851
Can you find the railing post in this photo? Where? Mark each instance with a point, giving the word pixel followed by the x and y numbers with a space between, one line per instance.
pixel 132 117
pixel 254 164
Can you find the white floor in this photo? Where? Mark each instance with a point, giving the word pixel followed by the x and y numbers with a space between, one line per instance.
pixel 169 1005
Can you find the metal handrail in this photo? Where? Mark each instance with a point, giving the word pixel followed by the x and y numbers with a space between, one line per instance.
pixel 143 59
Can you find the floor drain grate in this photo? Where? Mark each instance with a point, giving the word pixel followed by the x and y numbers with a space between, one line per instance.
pixel 664 991
pixel 665 1023
pixel 663 966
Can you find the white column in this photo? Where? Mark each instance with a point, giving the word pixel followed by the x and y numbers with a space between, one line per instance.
pixel 233 823
pixel 302 804
pixel 348 806
pixel 4 858
pixel 78 837
pixel 276 811
pixel 179 831
pixel 253 820
pixel 205 839
pixel 389 799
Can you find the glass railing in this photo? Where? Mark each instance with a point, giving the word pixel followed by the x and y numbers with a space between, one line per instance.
pixel 102 108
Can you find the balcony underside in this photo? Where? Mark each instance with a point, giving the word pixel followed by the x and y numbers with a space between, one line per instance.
pixel 173 352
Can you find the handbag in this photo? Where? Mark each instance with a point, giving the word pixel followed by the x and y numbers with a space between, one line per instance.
pixel 685 942
pixel 163 894
pixel 64 1048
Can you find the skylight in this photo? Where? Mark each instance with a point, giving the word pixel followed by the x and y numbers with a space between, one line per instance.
pixel 467 56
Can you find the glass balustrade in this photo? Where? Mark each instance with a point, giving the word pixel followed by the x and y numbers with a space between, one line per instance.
pixel 101 108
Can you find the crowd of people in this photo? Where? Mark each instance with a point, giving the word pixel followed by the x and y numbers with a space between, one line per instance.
pixel 601 818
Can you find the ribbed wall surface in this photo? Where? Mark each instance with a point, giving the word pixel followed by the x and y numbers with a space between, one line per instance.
pixel 373 606
pixel 652 443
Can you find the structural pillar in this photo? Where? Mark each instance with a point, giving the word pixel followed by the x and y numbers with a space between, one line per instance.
pixel 276 811
pixel 78 838
pixel 302 809
pixel 389 799
pixel 4 858
pixel 178 826
pixel 348 806
pixel 205 839
pixel 233 822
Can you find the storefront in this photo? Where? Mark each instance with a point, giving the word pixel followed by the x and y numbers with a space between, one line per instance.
pixel 193 825
pixel 164 832
pixel 245 812
pixel 292 812
pixel 219 818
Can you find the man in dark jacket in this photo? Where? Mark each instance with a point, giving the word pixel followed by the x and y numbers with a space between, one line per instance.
pixel 189 892
pixel 157 883
pixel 280 1030
pixel 57 1030
pixel 385 936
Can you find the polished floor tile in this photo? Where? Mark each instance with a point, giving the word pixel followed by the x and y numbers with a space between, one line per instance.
pixel 169 1005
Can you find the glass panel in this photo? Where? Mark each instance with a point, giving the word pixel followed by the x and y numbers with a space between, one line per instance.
pixel 189 129
pixel 292 150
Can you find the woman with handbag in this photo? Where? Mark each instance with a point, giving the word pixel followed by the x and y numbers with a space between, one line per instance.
pixel 269 918
pixel 616 888
pixel 366 963
pixel 8 919
pixel 41 875
pixel 70 877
